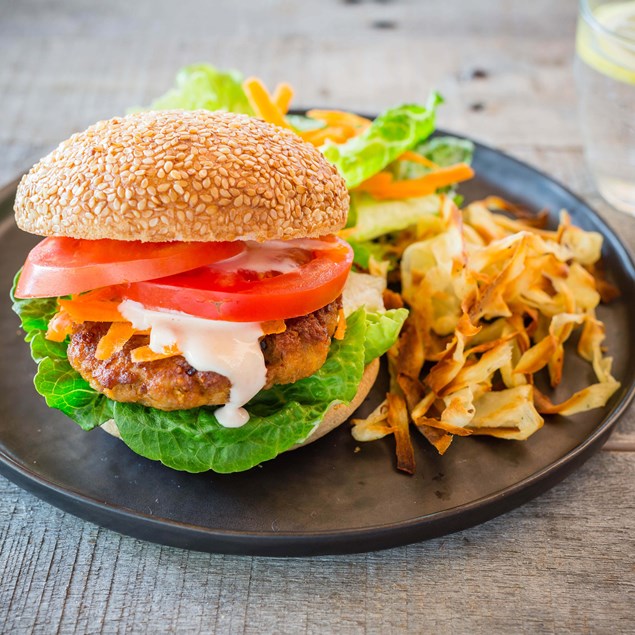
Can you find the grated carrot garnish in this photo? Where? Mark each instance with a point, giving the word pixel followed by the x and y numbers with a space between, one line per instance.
pixel 336 134
pixel 80 310
pixel 272 327
pixel 383 186
pixel 114 340
pixel 282 96
pixel 340 126
pixel 418 158
pixel 340 117
pixel 261 102
pixel 59 327
pixel 146 354
pixel 341 326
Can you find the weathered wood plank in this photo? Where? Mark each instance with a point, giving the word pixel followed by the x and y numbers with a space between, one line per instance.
pixel 88 64
pixel 562 562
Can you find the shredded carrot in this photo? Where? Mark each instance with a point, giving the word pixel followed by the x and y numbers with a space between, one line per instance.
pixel 146 354
pixel 273 326
pixel 383 186
pixel 92 310
pixel 282 96
pixel 336 134
pixel 261 102
pixel 341 326
pixel 418 158
pixel 340 126
pixel 340 117
pixel 59 327
pixel 377 182
pixel 114 340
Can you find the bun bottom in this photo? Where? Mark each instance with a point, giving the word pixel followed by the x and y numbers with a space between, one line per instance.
pixel 335 415
pixel 338 414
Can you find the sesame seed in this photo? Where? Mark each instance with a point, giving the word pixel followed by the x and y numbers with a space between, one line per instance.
pixel 182 175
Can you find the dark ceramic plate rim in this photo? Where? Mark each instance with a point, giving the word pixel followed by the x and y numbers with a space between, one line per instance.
pixel 357 539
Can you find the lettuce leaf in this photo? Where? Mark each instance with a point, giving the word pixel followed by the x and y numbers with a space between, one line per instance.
pixel 302 123
pixel 65 389
pixel 56 380
pixel 390 135
pixel 203 86
pixel 370 219
pixel 443 151
pixel 192 440
pixel 363 251
pixel 375 218
pixel 382 330
pixel 447 150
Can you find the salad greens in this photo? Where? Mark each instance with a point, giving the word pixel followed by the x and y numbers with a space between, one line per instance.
pixel 192 440
pixel 375 218
pixel 442 151
pixel 390 135
pixel 203 86
pixel 371 219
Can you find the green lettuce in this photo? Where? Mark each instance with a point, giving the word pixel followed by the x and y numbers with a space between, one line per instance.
pixel 56 380
pixel 380 251
pixel 203 86
pixel 192 440
pixel 302 123
pixel 444 151
pixel 374 218
pixel 382 330
pixel 371 219
pixel 390 135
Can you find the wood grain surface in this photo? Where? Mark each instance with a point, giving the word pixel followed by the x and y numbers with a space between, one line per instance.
pixel 562 563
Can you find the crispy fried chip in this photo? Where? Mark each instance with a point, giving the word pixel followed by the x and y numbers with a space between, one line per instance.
pixel 375 426
pixel 507 414
pixel 440 439
pixel 494 298
pixel 400 424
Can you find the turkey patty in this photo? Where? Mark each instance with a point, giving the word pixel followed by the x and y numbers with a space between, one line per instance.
pixel 172 384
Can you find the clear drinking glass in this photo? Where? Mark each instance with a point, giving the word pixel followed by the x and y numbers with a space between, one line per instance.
pixel 605 78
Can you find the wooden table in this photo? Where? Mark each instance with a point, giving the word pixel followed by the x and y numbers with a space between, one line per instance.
pixel 562 563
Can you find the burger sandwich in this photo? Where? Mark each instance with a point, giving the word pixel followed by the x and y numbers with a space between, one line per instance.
pixel 188 294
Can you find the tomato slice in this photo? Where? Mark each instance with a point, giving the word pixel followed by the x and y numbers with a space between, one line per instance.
pixel 219 293
pixel 63 266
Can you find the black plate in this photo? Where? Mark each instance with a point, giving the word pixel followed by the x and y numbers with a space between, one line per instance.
pixel 325 498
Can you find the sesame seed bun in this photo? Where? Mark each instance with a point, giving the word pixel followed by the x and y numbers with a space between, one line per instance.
pixel 334 417
pixel 183 175
pixel 338 414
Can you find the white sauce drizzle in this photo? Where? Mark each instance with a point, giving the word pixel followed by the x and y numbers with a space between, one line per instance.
pixel 231 349
pixel 273 255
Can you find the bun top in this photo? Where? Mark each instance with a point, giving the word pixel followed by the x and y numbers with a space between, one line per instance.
pixel 183 175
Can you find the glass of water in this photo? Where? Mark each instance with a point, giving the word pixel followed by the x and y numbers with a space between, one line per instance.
pixel 605 78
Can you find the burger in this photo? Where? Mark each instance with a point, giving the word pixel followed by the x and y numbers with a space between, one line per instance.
pixel 188 296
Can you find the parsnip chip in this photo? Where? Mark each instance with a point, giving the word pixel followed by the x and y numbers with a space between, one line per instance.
pixel 507 414
pixel 586 247
pixel 412 390
pixel 374 426
pixel 411 352
pixel 400 424
pixel 440 439
pixel 593 396
pixel 494 298
pixel 481 370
